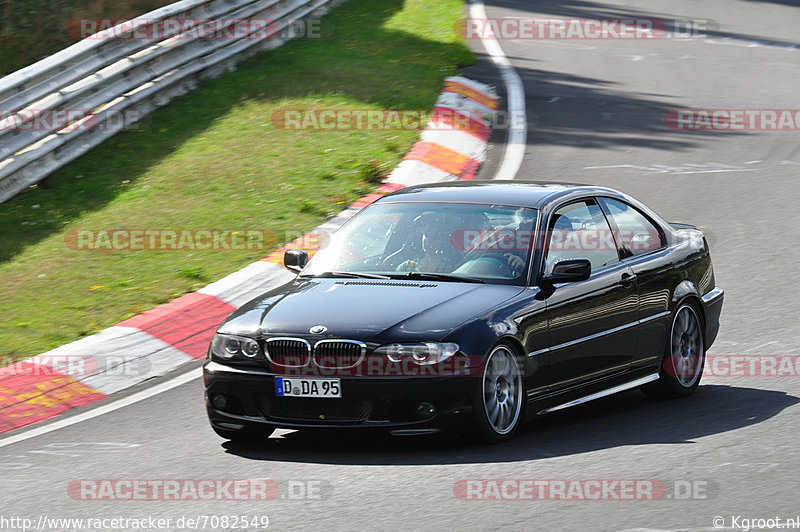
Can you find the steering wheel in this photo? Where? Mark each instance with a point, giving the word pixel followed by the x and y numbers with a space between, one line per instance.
pixel 388 260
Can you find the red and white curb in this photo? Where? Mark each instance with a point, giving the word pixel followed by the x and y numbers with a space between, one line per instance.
pixel 452 146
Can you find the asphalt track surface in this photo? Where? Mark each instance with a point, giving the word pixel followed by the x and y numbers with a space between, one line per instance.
pixel 595 111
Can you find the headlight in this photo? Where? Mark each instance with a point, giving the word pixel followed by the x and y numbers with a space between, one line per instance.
pixel 423 353
pixel 228 346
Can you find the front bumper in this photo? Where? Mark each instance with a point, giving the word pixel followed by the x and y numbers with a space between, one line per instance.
pixel 366 402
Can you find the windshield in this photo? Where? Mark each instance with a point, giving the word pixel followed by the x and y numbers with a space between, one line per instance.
pixel 461 242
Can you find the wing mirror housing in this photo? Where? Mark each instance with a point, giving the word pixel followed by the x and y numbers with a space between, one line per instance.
pixel 295 260
pixel 569 271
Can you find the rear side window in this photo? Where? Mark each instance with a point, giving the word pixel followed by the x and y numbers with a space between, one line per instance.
pixel 636 234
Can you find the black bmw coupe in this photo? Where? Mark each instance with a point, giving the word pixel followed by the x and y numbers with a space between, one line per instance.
pixel 469 304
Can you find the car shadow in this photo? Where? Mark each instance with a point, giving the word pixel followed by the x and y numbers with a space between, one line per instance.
pixel 625 419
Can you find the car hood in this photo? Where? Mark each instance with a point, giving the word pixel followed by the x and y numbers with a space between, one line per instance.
pixel 364 309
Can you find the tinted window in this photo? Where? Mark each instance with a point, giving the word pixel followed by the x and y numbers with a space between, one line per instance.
pixel 637 234
pixel 580 231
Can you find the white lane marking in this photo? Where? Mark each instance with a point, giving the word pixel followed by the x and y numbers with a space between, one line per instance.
pixel 518 119
pixel 105 409
pixel 751 43
pixel 572 45
pixel 689 168
pixel 21 471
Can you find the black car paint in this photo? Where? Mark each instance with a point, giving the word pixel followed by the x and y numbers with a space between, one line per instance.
pixel 575 338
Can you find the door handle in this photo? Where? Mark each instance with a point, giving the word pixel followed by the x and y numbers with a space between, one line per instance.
pixel 627 279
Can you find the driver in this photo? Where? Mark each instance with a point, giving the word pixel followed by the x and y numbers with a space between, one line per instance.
pixel 438 253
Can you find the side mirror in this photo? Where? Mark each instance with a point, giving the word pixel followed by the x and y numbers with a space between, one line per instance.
pixel 569 271
pixel 295 260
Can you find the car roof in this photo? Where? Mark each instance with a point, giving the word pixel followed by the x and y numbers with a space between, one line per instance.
pixel 533 194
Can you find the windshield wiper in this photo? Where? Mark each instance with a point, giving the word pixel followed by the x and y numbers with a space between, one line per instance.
pixel 337 273
pixel 437 277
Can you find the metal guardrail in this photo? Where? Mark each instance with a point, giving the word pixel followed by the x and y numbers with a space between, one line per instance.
pixel 115 81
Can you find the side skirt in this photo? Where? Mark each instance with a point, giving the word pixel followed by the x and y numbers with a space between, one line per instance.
pixel 603 393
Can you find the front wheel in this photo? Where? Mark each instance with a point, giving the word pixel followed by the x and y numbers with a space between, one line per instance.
pixel 684 356
pixel 499 398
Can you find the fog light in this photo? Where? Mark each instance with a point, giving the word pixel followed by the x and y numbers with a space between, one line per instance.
pixel 425 410
pixel 219 401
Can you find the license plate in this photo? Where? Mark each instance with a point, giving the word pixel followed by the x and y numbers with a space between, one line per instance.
pixel 296 387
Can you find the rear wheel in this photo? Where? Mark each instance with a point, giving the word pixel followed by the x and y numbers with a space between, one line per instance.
pixel 684 356
pixel 499 398
pixel 245 435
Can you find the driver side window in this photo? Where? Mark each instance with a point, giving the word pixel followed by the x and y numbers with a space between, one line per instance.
pixel 579 230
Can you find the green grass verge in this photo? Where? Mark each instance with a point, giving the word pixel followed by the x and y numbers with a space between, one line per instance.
pixel 213 160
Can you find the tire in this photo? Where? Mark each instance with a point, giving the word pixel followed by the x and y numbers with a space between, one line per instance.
pixel 684 356
pixel 245 435
pixel 498 403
